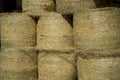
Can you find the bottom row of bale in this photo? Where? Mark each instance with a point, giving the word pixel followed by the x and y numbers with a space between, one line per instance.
pixel 26 64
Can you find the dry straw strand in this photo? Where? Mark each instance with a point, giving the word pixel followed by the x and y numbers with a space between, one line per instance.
pixel 18 64
pixel 97 29
pixel 71 6
pixel 17 30
pixel 56 66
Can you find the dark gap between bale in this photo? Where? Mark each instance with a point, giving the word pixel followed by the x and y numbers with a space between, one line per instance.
pixel 98 54
pixel 69 18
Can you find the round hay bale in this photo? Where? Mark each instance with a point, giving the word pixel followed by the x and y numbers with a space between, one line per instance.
pixel 17 30
pixel 18 64
pixel 54 33
pixel 107 68
pixel 71 6
pixel 97 29
pixel 37 7
pixel 56 66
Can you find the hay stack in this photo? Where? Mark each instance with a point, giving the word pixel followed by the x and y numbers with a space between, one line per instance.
pixel 54 33
pixel 71 6
pixel 103 67
pixel 37 7
pixel 97 29
pixel 17 30
pixel 18 64
pixel 56 66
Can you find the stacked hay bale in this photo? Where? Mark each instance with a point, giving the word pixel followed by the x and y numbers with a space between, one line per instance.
pixel 18 56
pixel 37 7
pixel 96 35
pixel 18 64
pixel 97 29
pixel 17 30
pixel 56 59
pixel 71 6
pixel 106 67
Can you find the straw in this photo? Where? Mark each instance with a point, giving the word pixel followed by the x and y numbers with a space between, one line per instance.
pixel 17 30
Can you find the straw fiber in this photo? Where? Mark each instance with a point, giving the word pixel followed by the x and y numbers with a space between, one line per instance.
pixel 107 68
pixel 56 66
pixel 97 29
pixel 71 6
pixel 55 43
pixel 37 7
pixel 17 30
pixel 54 33
pixel 18 64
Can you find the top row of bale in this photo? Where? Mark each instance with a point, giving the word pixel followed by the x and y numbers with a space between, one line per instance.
pixel 40 7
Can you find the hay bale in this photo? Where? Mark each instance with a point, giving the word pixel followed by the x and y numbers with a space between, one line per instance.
pixel 107 68
pixel 71 6
pixel 55 43
pixel 56 66
pixel 54 33
pixel 18 64
pixel 37 7
pixel 97 29
pixel 17 30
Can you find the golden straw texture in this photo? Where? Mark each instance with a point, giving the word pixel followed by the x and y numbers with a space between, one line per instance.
pixel 97 29
pixel 71 6
pixel 54 33
pixel 37 7
pixel 56 66
pixel 18 64
pixel 99 69
pixel 17 30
